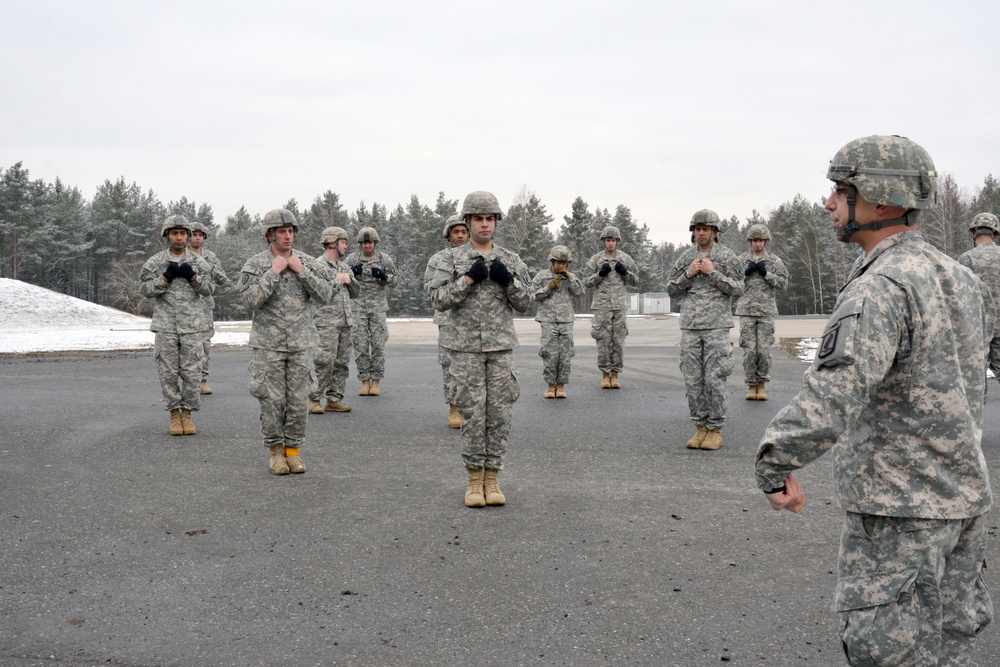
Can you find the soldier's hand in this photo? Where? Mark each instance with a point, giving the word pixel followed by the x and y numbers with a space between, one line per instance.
pixel 344 278
pixel 186 271
pixel 693 269
pixel 279 264
pixel 379 274
pixel 554 284
pixel 565 274
pixel 620 269
pixel 762 268
pixel 792 498
pixel 357 268
pixel 707 266
pixel 751 268
pixel 478 271
pixel 500 274
pixel 171 271
pixel 295 263
pixel 605 270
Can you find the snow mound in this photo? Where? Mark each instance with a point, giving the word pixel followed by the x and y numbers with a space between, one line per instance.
pixel 27 306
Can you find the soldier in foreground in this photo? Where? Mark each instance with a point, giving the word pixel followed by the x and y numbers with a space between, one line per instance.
pixel 896 389
pixel 610 272
pixel 709 276
pixel 763 275
pixel 177 280
pixel 554 291
pixel 456 233
pixel 199 233
pixel 483 285
pixel 984 260
pixel 333 323
pixel 281 287
pixel 375 272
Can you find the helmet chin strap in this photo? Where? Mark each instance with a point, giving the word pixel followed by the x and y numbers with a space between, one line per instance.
pixel 844 234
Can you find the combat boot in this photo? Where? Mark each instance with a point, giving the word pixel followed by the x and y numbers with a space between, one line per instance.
pixel 752 393
pixel 494 496
pixel 761 392
pixel 373 389
pixel 186 422
pixel 474 492
pixel 454 417
pixel 365 388
pixel 205 389
pixel 560 390
pixel 615 384
pixel 315 407
pixel 713 439
pixel 276 461
pixel 605 380
pixel 698 438
pixel 176 427
pixel 337 406
pixel 294 462
pixel 550 391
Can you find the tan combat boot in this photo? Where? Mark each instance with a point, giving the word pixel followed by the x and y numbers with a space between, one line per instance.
pixel 713 439
pixel 615 384
pixel 186 422
pixel 560 390
pixel 205 389
pixel 315 407
pixel 337 406
pixel 454 417
pixel 697 438
pixel 494 496
pixel 761 392
pixel 276 461
pixel 474 492
pixel 176 427
pixel 550 391
pixel 605 380
pixel 294 462
pixel 751 393
pixel 374 390
pixel 365 388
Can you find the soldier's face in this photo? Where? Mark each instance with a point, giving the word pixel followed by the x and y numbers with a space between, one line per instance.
pixel 177 238
pixel 282 238
pixel 610 245
pixel 836 204
pixel 482 226
pixel 558 266
pixel 458 235
pixel 368 248
pixel 758 246
pixel 197 239
pixel 342 246
pixel 704 235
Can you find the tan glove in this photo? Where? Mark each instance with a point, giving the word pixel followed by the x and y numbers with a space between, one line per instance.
pixel 554 284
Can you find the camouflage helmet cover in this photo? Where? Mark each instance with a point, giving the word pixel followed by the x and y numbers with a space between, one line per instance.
pixel 279 217
pixel 611 232
pixel 560 253
pixel 453 221
pixel 332 235
pixel 887 170
pixel 367 234
pixel 987 220
pixel 199 227
pixel 758 232
pixel 705 217
pixel 175 222
pixel 481 202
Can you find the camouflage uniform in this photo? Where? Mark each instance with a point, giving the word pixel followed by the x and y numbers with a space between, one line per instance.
pixel 370 329
pixel 442 318
pixel 555 313
pixel 984 260
pixel 757 309
pixel 180 322
pixel 481 340
pixel 219 278
pixel 610 307
pixel 706 318
pixel 333 323
pixel 283 339
pixel 896 390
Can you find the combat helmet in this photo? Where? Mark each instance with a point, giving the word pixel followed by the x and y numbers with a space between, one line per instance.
pixel 886 170
pixel 611 232
pixel 367 234
pixel 453 221
pixel 175 222
pixel 332 235
pixel 199 227
pixel 279 217
pixel 482 203
pixel 985 221
pixel 705 217
pixel 560 253
pixel 758 233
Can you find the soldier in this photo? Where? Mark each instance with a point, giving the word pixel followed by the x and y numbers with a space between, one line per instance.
pixel 554 291
pixel 333 322
pixel 610 272
pixel 896 389
pixel 281 287
pixel 709 276
pixel 177 280
pixel 376 272
pixel 984 260
pixel 199 233
pixel 483 285
pixel 456 233
pixel 763 276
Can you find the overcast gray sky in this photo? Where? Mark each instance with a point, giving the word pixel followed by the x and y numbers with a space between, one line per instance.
pixel 663 107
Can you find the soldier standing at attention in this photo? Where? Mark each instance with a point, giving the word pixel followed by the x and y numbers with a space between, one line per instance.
pixel 456 233
pixel 764 274
pixel 554 291
pixel 333 323
pixel 896 390
pixel 375 272
pixel 610 272
pixel 709 276
pixel 281 287
pixel 199 233
pixel 483 285
pixel 177 280
pixel 984 260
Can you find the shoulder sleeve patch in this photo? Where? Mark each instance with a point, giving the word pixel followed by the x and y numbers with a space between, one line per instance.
pixel 838 344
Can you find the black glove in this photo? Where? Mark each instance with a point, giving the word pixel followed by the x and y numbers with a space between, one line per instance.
pixel 379 273
pixel 171 271
pixel 762 268
pixel 500 274
pixel 478 271
pixel 605 270
pixel 357 269
pixel 185 270
pixel 620 269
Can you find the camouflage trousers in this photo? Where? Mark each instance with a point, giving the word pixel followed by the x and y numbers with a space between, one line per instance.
pixel 556 351
pixel 207 345
pixel 484 388
pixel 994 357
pixel 370 334
pixel 444 358
pixel 910 592
pixel 706 362
pixel 281 381
pixel 609 329
pixel 332 359
pixel 756 339
pixel 178 363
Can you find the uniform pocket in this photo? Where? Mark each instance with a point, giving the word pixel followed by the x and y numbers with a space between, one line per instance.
pixel 879 619
pixel 258 377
